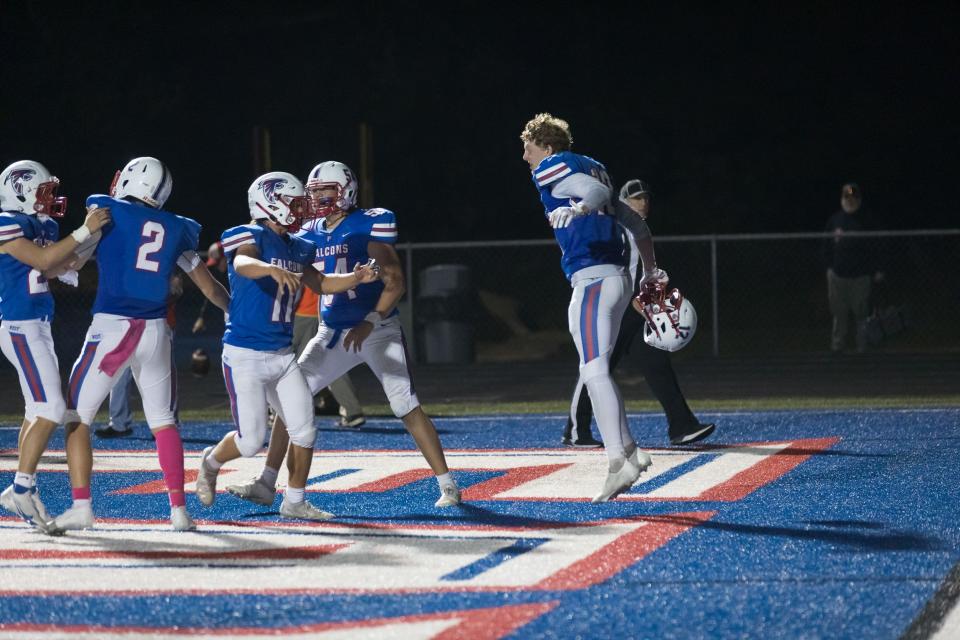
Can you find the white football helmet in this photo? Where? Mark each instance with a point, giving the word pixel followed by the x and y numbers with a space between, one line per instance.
pixel 26 186
pixel 671 318
pixel 332 174
pixel 146 179
pixel 278 196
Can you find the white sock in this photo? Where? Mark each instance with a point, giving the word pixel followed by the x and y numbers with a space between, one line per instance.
pixel 269 476
pixel 445 479
pixel 211 462
pixel 81 503
pixel 608 408
pixel 293 495
pixel 26 481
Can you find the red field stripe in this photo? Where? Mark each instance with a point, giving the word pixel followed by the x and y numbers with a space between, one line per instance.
pixel 767 470
pixel 155 486
pixel 624 551
pixel 489 489
pixel 390 482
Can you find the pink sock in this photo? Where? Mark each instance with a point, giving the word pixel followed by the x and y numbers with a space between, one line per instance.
pixel 170 453
pixel 81 493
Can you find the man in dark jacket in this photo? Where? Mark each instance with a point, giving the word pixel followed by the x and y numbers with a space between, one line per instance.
pixel 631 209
pixel 851 266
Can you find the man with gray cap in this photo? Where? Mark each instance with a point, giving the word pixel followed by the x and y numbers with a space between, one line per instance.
pixel 631 210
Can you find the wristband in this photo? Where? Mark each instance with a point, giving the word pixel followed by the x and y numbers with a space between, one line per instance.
pixel 80 234
pixel 373 318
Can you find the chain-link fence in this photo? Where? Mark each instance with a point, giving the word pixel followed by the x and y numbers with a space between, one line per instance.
pixel 756 295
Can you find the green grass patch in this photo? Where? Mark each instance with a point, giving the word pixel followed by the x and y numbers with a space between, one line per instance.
pixel 452 409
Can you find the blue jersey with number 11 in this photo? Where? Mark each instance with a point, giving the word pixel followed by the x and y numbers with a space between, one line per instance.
pixel 137 256
pixel 261 313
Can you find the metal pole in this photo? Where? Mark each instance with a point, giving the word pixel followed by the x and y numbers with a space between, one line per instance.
pixel 716 302
pixel 408 259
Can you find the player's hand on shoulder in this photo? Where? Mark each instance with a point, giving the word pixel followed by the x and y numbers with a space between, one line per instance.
pixel 97 218
pixel 284 278
pixel 355 336
pixel 367 272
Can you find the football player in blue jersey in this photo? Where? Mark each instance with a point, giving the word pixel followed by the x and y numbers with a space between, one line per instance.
pixel 136 259
pixel 31 252
pixel 266 266
pixel 576 193
pixel 358 325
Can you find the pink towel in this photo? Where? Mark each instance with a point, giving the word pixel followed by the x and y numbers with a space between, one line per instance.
pixel 128 344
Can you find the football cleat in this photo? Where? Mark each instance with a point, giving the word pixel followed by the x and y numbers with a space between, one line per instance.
pixel 618 481
pixel 256 491
pixel 181 520
pixel 352 422
pixel 28 506
pixel 302 511
pixel 6 500
pixel 587 442
pixel 74 518
pixel 206 480
pixel 449 496
pixel 695 434
pixel 640 459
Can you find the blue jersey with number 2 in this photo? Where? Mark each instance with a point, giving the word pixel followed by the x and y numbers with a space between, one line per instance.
pixel 137 256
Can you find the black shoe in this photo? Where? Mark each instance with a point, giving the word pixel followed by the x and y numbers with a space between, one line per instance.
pixel 694 434
pixel 110 432
pixel 583 443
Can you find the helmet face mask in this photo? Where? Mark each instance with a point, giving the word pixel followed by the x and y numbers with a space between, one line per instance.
pixel 27 186
pixel 327 176
pixel 671 318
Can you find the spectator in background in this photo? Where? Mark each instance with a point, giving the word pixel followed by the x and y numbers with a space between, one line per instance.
pixel 121 418
pixel 851 268
pixel 217 264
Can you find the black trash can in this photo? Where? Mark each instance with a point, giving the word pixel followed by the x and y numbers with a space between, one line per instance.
pixel 445 311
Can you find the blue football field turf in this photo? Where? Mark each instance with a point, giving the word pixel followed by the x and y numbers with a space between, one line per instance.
pixel 786 524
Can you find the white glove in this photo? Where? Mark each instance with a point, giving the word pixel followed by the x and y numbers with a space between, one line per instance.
pixel 561 216
pixel 657 275
pixel 71 277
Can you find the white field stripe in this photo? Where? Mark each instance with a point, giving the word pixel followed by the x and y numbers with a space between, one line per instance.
pixel 715 472
pixel 950 627
pixel 417 630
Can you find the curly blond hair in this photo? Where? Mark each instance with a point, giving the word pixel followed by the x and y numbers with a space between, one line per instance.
pixel 545 129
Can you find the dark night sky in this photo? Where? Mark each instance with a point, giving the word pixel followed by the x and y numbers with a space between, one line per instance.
pixel 742 122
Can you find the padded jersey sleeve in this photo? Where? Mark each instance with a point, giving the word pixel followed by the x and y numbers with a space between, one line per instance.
pixel 383 225
pixel 189 259
pixel 584 188
pixel 235 237
pixel 551 169
pixel 11 227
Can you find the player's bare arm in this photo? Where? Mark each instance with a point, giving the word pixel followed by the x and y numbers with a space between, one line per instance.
pixel 53 256
pixel 210 287
pixel 393 289
pixel 340 282
pixel 248 264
